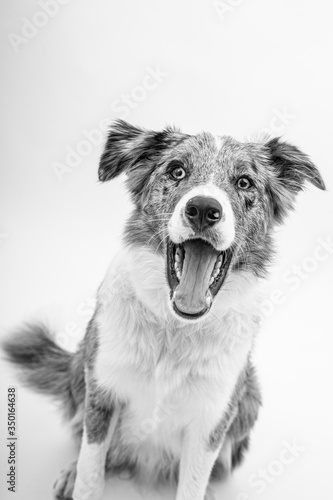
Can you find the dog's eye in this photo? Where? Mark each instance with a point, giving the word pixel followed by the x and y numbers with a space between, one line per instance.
pixel 178 172
pixel 244 183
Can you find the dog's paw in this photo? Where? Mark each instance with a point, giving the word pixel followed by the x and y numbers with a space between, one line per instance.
pixel 64 485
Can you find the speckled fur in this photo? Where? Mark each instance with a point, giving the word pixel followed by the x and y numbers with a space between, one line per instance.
pixel 138 358
pixel 278 169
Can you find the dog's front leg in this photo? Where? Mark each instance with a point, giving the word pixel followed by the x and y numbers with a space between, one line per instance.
pixel 201 445
pixel 101 416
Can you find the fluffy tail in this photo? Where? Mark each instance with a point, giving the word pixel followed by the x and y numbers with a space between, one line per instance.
pixel 47 367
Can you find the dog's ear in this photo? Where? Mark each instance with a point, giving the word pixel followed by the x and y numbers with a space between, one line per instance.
pixel 134 151
pixel 291 169
pixel 122 149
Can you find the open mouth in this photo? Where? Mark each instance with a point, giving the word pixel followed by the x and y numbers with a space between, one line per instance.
pixel 196 272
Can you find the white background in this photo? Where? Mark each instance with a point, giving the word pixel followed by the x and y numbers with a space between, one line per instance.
pixel 229 72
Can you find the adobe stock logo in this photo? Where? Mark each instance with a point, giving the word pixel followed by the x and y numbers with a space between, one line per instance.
pixel 297 275
pixel 279 121
pixel 121 108
pixel 264 476
pixel 223 8
pixel 73 330
pixel 30 28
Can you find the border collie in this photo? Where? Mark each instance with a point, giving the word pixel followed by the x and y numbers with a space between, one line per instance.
pixel 162 384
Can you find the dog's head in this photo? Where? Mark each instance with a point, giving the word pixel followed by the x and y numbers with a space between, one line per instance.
pixel 207 204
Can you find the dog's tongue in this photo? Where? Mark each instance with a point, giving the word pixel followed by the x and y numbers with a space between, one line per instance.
pixel 198 265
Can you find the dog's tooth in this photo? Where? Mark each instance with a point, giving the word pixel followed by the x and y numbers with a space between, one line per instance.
pixel 215 273
pixel 178 274
pixel 218 263
pixel 178 258
pixel 211 281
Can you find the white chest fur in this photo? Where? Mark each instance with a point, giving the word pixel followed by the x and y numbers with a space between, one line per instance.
pixel 165 370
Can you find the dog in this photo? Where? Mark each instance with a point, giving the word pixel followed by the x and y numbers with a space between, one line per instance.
pixel 163 385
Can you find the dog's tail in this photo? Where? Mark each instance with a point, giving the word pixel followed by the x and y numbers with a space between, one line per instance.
pixel 47 367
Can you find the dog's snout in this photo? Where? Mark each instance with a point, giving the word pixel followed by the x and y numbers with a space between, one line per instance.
pixel 203 211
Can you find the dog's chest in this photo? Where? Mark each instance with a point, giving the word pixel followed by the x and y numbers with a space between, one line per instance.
pixel 168 382
pixel 158 408
pixel 161 406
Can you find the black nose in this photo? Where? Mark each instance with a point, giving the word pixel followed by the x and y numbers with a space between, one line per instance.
pixel 203 211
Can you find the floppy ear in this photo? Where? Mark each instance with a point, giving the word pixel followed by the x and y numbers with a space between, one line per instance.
pixel 134 151
pixel 291 168
pixel 120 151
